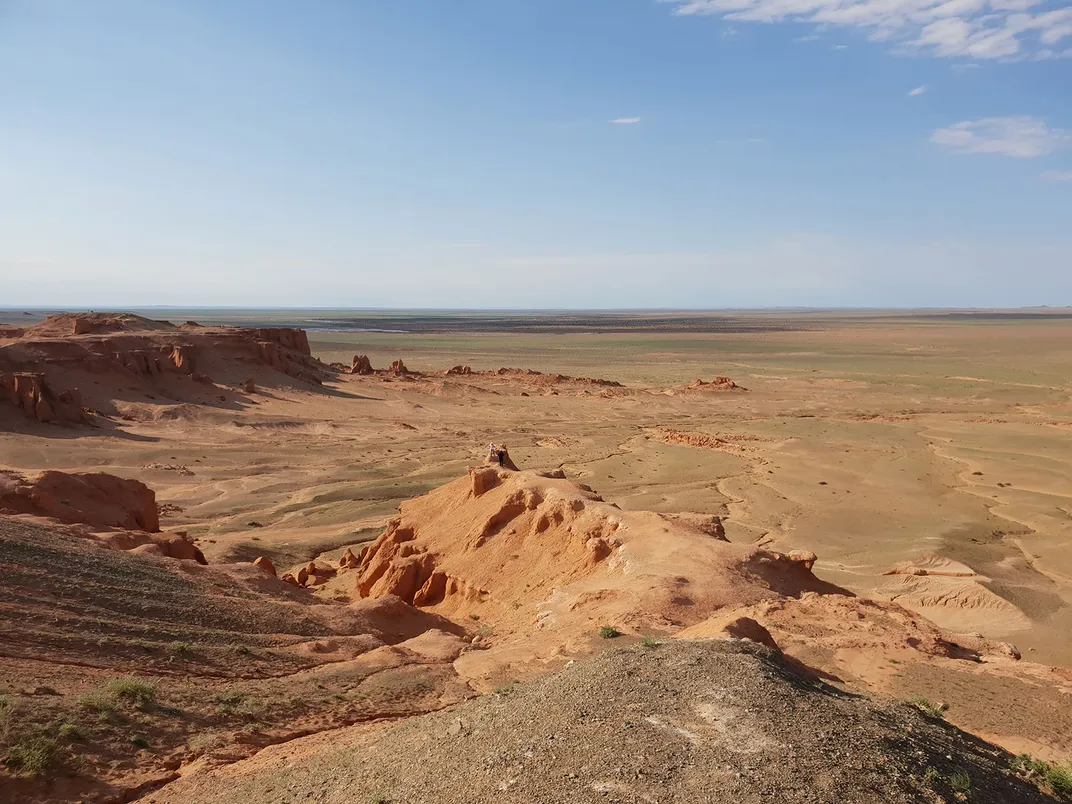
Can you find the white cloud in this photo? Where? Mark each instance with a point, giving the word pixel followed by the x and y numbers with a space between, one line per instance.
pixel 841 47
pixel 917 91
pixel 974 29
pixel 1057 175
pixel 1021 137
pixel 625 121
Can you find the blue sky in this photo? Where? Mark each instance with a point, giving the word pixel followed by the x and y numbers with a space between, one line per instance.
pixel 536 153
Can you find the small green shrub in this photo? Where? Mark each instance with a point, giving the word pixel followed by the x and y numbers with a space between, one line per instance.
pixel 960 781
pixel 609 632
pixel 1059 779
pixel 33 755
pixel 230 701
pixel 99 703
pixel 180 648
pixel 141 694
pixel 1056 777
pixel 71 732
pixel 649 642
pixel 243 650
pixel 233 702
pixel 139 742
pixel 930 777
pixel 928 708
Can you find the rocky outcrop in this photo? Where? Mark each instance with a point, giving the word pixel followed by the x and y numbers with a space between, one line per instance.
pixel 479 545
pixel 349 560
pixel 398 367
pixel 69 363
pixel 805 558
pixel 32 394
pixel 459 371
pixel 289 338
pixel 362 365
pixel 92 498
pixel 507 462
pixel 483 478
pixel 539 378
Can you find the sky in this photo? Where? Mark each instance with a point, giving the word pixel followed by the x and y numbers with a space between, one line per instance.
pixel 535 153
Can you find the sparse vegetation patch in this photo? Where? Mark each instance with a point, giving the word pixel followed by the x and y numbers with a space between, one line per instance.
pixel 929 708
pixel 1056 778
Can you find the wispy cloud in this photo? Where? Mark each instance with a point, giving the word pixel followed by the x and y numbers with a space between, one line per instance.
pixel 625 121
pixel 1057 175
pixel 917 91
pixel 973 29
pixel 1022 137
pixel 841 47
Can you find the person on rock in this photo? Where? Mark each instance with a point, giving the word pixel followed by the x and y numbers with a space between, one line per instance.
pixel 502 457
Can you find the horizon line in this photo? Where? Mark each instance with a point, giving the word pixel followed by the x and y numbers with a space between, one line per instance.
pixel 380 309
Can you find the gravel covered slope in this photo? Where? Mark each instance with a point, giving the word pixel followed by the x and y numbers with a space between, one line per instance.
pixel 684 721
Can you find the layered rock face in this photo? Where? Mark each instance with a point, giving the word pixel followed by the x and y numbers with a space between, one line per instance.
pixel 32 394
pixel 70 366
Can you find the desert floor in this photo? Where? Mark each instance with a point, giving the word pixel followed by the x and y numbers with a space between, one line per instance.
pixel 872 441
pixel 937 444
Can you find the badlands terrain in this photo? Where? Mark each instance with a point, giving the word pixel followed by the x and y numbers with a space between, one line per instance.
pixel 271 563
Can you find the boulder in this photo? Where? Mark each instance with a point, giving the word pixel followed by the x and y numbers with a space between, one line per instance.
pixel 265 564
pixel 806 558
pixel 349 560
pixel 249 386
pixel 180 547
